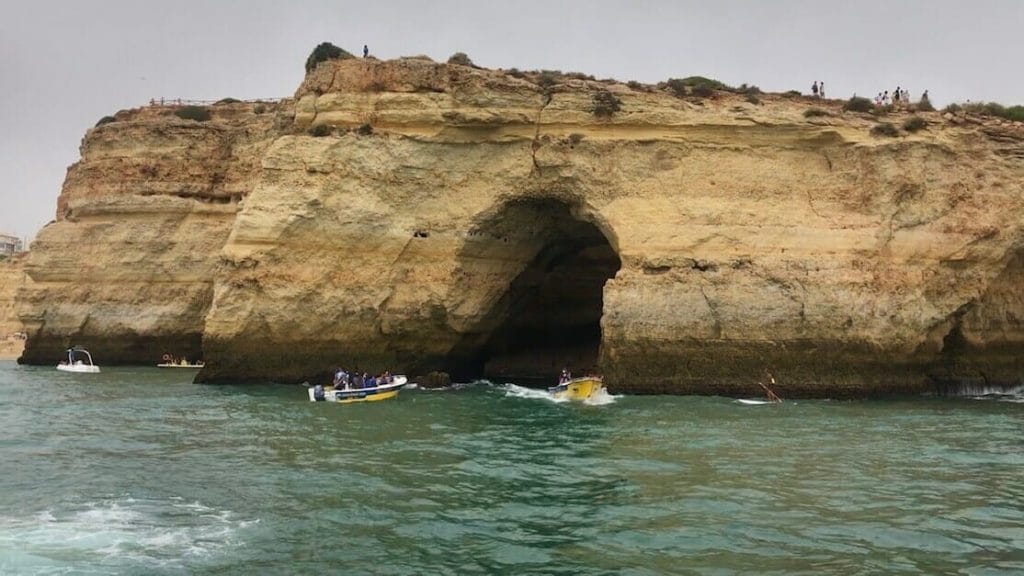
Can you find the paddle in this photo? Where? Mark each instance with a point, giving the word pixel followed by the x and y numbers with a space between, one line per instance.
pixel 772 397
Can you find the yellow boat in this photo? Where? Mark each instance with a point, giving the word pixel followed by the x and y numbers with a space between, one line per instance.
pixel 353 395
pixel 579 389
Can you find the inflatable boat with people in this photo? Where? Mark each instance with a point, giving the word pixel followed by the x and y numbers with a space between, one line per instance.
pixel 349 389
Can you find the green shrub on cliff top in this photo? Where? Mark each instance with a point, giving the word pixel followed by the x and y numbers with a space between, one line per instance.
pixel 995 109
pixel 548 78
pixel 197 113
pixel 461 59
pixel 915 123
pixel 815 112
pixel 677 86
pixel 695 86
pixel 859 104
pixel 1015 113
pixel 702 81
pixel 323 52
pixel 605 104
pixel 320 130
pixel 885 129
pixel 106 120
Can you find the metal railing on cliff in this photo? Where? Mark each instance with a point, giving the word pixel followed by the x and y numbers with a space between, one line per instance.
pixel 189 102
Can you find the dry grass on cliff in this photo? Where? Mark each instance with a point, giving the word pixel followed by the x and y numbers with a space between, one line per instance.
pixel 816 113
pixel 197 113
pixel 885 129
pixel 915 123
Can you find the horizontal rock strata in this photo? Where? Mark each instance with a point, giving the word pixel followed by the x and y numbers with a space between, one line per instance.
pixel 12 279
pixel 486 224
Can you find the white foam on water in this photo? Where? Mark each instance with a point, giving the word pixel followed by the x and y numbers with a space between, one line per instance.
pixel 116 532
pixel 987 392
pixel 601 398
pixel 516 391
pixel 1013 398
pixel 456 386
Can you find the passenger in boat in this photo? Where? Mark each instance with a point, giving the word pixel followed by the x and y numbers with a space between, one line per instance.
pixel 565 376
pixel 371 382
pixel 339 377
pixel 318 393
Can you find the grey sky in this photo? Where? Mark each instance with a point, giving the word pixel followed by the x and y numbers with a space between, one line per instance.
pixel 64 65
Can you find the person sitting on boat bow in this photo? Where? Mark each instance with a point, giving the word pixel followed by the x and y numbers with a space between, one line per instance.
pixel 565 376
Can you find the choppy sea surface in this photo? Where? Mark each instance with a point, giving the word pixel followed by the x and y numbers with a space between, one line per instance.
pixel 138 471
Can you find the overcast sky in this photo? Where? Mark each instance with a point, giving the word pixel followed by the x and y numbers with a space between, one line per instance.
pixel 64 65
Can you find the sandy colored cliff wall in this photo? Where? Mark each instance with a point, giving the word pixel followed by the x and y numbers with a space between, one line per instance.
pixel 127 268
pixel 12 279
pixel 469 220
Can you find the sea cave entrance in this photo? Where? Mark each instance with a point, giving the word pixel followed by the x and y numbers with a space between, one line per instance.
pixel 531 280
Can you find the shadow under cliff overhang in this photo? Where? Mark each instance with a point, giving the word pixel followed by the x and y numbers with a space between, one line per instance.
pixel 529 292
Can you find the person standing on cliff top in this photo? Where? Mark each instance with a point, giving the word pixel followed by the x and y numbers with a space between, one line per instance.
pixel 821 89
pixel 366 51
pixel 814 89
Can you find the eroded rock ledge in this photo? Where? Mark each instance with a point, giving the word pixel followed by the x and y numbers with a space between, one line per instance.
pixel 478 223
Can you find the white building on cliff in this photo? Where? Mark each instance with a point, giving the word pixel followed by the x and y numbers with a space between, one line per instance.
pixel 10 245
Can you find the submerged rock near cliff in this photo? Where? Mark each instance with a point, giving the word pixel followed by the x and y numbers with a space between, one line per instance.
pixel 483 223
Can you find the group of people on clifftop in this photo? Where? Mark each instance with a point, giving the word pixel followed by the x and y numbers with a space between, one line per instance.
pixel 899 97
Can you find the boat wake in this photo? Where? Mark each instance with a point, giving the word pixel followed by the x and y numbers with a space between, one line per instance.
pixel 600 398
pixel 1013 398
pixel 1014 394
pixel 118 532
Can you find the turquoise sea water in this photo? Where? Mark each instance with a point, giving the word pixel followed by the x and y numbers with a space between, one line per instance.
pixel 138 471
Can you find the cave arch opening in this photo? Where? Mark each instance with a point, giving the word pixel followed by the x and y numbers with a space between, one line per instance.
pixel 531 279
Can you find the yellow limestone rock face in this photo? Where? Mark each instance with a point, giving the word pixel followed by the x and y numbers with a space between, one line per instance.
pixel 12 279
pixel 487 224
pixel 127 267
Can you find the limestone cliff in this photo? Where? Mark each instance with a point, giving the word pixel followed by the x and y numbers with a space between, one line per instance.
pixel 488 224
pixel 12 279
pixel 127 268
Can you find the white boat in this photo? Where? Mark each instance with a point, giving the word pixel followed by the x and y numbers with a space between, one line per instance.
pixel 753 402
pixel 79 361
pixel 351 395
